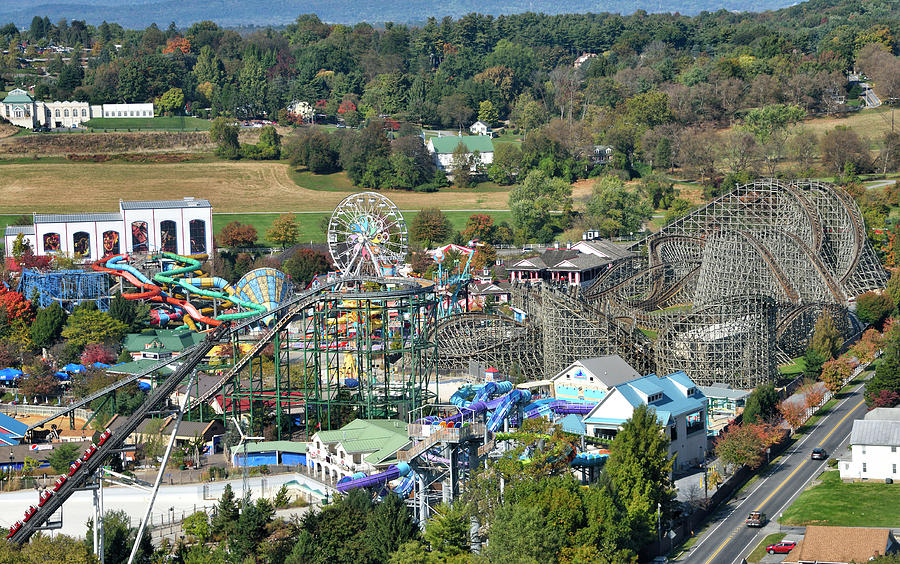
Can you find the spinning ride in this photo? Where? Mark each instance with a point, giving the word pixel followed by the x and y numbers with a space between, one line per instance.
pixel 367 235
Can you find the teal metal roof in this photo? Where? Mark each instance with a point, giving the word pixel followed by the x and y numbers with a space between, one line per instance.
pixel 162 339
pixel 382 438
pixel 137 367
pixel 18 96
pixel 480 143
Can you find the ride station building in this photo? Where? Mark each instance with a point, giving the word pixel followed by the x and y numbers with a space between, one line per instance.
pixel 178 226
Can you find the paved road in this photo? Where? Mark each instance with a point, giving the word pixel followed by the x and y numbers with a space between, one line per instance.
pixel 728 540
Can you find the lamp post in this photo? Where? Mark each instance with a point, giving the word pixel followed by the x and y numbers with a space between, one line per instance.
pixel 705 474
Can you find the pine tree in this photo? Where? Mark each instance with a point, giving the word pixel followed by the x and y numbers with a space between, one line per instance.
pixel 48 324
pixel 639 467
pixel 389 526
pixel 761 404
pixel 226 515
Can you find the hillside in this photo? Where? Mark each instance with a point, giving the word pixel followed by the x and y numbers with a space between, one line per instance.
pixel 236 13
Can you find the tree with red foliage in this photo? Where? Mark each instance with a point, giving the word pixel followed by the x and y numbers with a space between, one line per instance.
pixel 16 306
pixel 886 398
pixel 182 44
pixel 236 234
pixel 346 105
pixel 792 411
pixel 97 352
pixel 740 446
pixel 479 226
pixel 814 396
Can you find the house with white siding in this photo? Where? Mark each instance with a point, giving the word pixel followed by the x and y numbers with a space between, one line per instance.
pixel 874 447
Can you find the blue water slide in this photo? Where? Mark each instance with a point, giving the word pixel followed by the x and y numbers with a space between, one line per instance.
pixel 392 473
pixel 505 408
pixel 492 389
pixel 462 396
pixel 584 459
pixel 406 485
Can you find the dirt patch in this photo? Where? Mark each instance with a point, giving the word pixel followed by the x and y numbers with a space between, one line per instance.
pixel 7 129
pixel 63 144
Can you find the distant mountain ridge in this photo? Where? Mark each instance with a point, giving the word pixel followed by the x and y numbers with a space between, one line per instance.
pixel 138 14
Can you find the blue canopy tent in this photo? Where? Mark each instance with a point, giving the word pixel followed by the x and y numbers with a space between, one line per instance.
pixel 61 375
pixel 100 365
pixel 143 385
pixel 73 368
pixel 10 374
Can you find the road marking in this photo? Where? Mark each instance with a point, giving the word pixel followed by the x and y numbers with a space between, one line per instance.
pixel 795 451
pixel 854 408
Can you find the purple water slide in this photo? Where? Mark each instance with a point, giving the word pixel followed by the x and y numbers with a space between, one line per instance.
pixel 392 473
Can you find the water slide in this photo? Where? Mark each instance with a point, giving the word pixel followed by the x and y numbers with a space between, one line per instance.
pixel 360 480
pixel 150 291
pixel 585 459
pixel 469 394
pixel 563 407
pixel 505 408
pixel 192 265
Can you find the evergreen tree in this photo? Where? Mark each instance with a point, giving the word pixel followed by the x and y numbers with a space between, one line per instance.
pixel 48 324
pixel 389 526
pixel 639 469
pixel 226 516
pixel 448 530
pixel 762 404
pixel 251 528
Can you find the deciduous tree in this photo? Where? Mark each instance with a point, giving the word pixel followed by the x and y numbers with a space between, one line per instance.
pixel 285 230
pixel 826 339
pixel 236 234
pixel 761 405
pixel 430 227
pixel 86 326
pixel 874 307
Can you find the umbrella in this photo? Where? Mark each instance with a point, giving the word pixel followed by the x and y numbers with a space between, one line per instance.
pixel 10 374
pixel 73 368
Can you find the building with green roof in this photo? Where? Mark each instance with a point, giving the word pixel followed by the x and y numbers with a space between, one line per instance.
pixel 442 148
pixel 363 445
pixel 19 108
pixel 159 344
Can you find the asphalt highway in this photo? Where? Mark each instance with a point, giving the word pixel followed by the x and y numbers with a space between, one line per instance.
pixel 728 540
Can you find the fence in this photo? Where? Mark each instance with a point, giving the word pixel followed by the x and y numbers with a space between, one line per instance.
pixel 41 410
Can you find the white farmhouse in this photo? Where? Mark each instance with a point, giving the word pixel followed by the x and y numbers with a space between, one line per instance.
pixel 481 128
pixel 874 447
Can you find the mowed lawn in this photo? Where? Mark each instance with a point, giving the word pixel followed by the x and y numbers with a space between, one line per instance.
pixel 313 224
pixel 856 504
pixel 231 186
pixel 177 123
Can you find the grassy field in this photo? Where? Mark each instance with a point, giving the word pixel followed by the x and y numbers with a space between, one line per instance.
pixel 178 123
pixel 760 550
pixel 796 367
pixel 867 123
pixel 835 503
pixel 239 186
pixel 311 224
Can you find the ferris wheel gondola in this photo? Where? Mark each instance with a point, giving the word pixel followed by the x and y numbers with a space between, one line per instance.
pixel 367 235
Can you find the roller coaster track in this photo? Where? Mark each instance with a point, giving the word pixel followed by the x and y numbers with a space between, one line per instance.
pixel 189 359
pixel 820 268
pixel 113 387
pixel 116 440
pixel 773 265
pixel 461 329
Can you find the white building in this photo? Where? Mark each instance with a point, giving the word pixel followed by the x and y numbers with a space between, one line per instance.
pixel 21 109
pixel 680 408
pixel 442 148
pixel 874 447
pixel 590 379
pixel 481 128
pixel 179 226
pixel 363 445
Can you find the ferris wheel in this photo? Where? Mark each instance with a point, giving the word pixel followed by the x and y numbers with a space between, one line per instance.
pixel 367 235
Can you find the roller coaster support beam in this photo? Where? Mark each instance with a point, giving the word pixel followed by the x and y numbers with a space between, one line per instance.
pixel 162 468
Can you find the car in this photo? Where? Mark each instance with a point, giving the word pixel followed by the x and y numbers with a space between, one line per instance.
pixel 103 437
pixel 29 513
pixel 59 482
pixel 756 519
pixel 15 527
pixel 818 454
pixel 781 547
pixel 74 467
pixel 45 495
pixel 89 452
